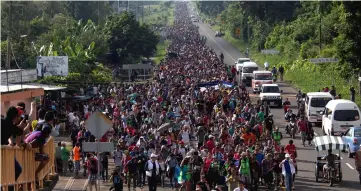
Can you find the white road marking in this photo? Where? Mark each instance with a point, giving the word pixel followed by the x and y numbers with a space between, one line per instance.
pixel 217 43
pixel 69 184
pixel 86 184
pixel 350 166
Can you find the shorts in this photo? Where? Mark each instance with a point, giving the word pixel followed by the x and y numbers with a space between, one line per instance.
pixel 41 157
pixel 92 178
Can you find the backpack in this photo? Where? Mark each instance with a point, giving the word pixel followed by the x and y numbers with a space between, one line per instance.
pixel 93 166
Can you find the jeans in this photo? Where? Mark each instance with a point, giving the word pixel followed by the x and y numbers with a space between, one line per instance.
pixel 132 176
pixel 289 181
pixel 141 177
pixel 105 173
pixel 152 183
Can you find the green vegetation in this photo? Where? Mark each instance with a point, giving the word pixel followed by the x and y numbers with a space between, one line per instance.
pixel 91 34
pixel 293 28
pixel 161 51
pixel 159 16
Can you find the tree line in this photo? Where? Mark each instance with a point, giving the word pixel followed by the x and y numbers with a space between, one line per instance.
pixel 299 30
pixel 92 34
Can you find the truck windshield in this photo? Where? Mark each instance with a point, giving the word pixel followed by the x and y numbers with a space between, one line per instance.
pixel 243 61
pixel 346 115
pixel 249 69
pixel 320 101
pixel 263 77
pixel 271 89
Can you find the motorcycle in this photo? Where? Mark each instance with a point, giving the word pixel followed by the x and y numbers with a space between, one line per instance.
pixel 71 165
pixel 274 77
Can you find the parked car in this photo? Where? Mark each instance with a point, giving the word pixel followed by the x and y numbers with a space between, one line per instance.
pixel 219 34
pixel 352 138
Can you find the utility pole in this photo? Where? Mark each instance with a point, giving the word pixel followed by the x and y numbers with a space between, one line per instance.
pixel 142 11
pixel 320 31
pixel 8 48
pixel 118 7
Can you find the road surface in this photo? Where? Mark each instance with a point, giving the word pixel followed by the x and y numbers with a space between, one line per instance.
pixel 305 179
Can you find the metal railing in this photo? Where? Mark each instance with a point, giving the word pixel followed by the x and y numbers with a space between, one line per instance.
pixel 26 159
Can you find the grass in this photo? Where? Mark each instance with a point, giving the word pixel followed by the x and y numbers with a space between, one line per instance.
pixel 161 51
pixel 306 77
pixel 160 16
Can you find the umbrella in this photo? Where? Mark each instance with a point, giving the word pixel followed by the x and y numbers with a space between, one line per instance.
pixel 163 127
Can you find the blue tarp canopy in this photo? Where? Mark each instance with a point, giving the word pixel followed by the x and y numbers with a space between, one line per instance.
pixel 215 83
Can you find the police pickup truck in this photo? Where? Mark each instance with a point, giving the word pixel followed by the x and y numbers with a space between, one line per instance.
pixel 271 94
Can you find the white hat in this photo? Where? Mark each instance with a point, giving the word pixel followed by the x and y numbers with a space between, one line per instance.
pixel 211 136
pixel 287 155
pixel 153 155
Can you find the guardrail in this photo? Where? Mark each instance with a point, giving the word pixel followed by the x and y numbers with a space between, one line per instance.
pixel 26 159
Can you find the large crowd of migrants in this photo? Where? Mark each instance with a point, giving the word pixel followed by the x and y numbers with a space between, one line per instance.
pixel 198 138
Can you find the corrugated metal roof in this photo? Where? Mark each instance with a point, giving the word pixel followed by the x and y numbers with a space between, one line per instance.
pixel 16 87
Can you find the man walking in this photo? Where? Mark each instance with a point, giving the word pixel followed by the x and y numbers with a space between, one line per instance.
pixel 358 162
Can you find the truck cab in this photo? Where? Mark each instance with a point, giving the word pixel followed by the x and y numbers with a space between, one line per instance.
pixel 271 94
pixel 261 77
pixel 247 72
pixel 239 64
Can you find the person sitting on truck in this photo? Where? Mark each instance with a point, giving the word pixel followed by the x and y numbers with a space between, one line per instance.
pixel 330 158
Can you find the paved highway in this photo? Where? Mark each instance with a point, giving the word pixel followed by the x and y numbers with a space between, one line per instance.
pixel 305 179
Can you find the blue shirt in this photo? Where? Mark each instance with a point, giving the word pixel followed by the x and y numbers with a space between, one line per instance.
pixel 259 158
pixel 287 167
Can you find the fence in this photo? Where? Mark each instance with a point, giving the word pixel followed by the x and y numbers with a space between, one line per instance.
pixel 26 159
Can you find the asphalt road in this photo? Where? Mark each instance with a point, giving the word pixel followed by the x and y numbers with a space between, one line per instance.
pixel 305 179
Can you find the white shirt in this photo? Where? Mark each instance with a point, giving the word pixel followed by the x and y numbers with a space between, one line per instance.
pixel 150 167
pixel 266 64
pixel 71 117
pixel 238 189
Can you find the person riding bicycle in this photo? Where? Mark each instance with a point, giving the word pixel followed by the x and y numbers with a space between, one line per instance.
pixel 222 57
pixel 330 158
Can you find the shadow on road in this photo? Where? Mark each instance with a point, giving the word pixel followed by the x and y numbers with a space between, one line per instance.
pixel 308 184
pixel 305 161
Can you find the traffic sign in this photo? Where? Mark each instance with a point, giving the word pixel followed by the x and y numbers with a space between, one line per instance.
pixel 98 124
pixel 238 31
pixel 271 51
pixel 323 60
pixel 98 146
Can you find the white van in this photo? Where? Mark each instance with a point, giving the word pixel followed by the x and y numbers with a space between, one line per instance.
pixel 315 103
pixel 339 115
pixel 247 71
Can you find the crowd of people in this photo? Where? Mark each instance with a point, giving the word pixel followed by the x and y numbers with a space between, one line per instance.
pixel 200 138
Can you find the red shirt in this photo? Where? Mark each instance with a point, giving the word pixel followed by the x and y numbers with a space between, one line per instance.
pixel 88 163
pixel 302 125
pixel 233 70
pixel 210 145
pixel 290 149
